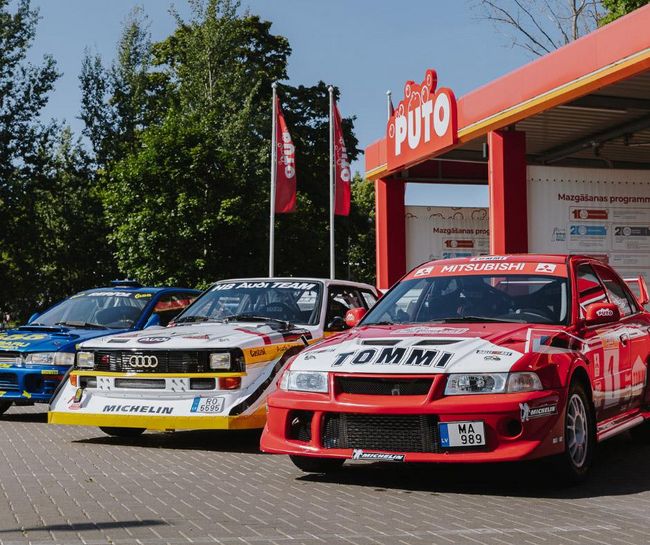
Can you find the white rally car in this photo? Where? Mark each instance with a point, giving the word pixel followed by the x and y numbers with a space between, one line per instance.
pixel 213 366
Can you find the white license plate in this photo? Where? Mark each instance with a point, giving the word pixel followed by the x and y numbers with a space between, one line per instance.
pixel 207 404
pixel 461 434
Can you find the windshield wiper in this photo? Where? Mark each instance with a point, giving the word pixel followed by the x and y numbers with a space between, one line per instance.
pixel 195 318
pixel 254 318
pixel 470 318
pixel 83 325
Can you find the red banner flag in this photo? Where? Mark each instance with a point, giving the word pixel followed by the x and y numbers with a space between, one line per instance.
pixel 285 185
pixel 343 174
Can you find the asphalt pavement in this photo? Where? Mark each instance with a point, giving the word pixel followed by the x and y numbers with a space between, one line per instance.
pixel 69 485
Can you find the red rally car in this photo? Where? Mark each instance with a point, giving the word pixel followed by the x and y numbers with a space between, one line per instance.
pixel 481 359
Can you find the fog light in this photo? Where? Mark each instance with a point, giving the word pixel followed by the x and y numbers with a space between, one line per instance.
pixel 202 384
pixel 229 383
pixel 88 382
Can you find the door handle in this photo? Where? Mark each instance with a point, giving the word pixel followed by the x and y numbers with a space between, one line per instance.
pixel 624 338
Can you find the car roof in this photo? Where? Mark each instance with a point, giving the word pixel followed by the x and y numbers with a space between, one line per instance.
pixel 326 281
pixel 139 289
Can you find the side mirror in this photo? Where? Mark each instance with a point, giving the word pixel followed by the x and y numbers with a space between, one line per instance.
pixel 337 324
pixel 601 313
pixel 354 315
pixel 153 321
pixel 33 317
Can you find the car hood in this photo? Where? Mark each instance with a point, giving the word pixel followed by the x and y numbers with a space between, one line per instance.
pixel 198 336
pixel 420 349
pixel 46 339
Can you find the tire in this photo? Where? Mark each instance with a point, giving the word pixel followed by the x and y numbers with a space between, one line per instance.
pixel 4 405
pixel 310 464
pixel 641 433
pixel 574 463
pixel 123 432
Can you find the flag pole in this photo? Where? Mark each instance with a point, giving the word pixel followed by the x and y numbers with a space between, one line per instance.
pixel 274 163
pixel 332 184
pixel 389 104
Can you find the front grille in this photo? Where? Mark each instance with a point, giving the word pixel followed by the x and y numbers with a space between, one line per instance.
pixel 140 384
pixel 393 433
pixel 8 381
pixel 384 386
pixel 168 362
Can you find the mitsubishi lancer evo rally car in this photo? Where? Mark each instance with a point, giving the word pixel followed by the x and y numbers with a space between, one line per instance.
pixel 482 359
pixel 35 357
pixel 214 367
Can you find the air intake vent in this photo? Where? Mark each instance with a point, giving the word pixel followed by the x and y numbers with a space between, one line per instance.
pixel 381 342
pixel 437 342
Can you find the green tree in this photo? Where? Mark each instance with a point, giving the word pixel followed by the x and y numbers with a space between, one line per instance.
pixel 618 8
pixel 24 141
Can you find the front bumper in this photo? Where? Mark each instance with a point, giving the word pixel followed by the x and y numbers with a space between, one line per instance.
pixel 515 426
pixel 29 384
pixel 175 406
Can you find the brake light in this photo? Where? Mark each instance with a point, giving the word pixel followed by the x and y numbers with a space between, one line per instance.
pixel 229 383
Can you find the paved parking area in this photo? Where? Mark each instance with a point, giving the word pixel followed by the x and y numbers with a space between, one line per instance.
pixel 74 485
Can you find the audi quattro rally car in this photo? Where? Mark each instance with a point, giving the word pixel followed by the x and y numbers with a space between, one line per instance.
pixel 214 366
pixel 35 357
pixel 481 359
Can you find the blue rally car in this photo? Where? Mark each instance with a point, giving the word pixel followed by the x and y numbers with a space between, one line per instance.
pixel 35 357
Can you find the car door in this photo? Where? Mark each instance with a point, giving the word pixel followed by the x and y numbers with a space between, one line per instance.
pixel 608 354
pixel 632 336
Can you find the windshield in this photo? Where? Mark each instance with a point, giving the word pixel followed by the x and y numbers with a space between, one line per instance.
pixel 474 298
pixel 110 309
pixel 292 301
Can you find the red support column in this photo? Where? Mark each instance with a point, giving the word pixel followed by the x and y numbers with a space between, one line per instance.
pixel 390 232
pixel 507 191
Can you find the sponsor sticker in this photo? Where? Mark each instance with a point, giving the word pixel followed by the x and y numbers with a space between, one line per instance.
pixel 529 413
pixel 545 267
pixel 412 357
pixel 360 454
pixel 424 330
pixel 136 408
pixel 424 271
pixel 153 340
pixel 490 258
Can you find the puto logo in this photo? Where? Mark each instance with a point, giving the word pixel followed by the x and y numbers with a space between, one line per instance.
pixel 423 123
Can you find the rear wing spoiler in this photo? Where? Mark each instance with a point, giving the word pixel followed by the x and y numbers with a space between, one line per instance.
pixel 639 288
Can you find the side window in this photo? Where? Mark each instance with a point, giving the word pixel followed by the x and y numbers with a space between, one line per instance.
pixel 590 290
pixel 171 304
pixel 616 292
pixel 369 298
pixel 341 299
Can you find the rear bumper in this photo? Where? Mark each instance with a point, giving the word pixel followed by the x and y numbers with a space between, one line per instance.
pixel 30 384
pixel 510 431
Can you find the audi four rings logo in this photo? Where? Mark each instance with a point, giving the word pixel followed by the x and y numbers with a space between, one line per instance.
pixel 143 361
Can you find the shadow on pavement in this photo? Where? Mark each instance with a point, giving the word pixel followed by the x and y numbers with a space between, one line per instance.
pixel 242 441
pixel 36 418
pixel 88 526
pixel 620 469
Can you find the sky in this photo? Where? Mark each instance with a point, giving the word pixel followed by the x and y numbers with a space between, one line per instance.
pixel 365 47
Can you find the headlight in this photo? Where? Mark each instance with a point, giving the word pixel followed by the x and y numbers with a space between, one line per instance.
pixel 49 358
pixel 479 383
pixel 85 360
pixel 492 383
pixel 305 381
pixel 220 360
pixel 524 382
